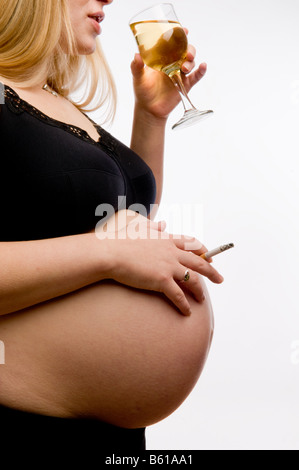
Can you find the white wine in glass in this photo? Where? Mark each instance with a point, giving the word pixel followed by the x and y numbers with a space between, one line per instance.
pixel 163 46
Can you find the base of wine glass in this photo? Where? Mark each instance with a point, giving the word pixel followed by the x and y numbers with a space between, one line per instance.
pixel 191 117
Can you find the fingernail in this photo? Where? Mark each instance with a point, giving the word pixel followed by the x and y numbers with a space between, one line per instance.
pixel 186 68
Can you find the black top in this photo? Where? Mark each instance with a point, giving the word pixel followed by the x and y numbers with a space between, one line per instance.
pixel 53 175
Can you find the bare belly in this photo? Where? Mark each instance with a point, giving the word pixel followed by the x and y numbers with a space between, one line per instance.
pixel 109 352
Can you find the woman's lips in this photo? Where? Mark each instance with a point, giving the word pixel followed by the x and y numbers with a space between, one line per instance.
pixel 96 20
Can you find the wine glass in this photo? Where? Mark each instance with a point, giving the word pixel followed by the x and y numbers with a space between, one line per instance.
pixel 163 45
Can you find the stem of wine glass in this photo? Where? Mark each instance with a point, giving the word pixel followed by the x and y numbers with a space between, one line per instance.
pixel 176 78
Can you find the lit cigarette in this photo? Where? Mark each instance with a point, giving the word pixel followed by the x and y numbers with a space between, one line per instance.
pixel 217 251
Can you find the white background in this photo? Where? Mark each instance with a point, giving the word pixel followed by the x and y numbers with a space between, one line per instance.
pixel 240 169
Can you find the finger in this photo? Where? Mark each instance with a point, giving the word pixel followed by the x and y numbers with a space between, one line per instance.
pixel 186 243
pixel 189 63
pixel 201 266
pixel 176 295
pixel 191 53
pixel 160 226
pixel 187 67
pixel 145 227
pixel 196 76
pixel 137 66
pixel 194 285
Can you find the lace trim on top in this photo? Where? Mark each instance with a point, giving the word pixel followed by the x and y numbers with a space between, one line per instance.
pixel 17 105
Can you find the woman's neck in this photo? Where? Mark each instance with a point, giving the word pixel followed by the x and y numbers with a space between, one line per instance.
pixel 23 85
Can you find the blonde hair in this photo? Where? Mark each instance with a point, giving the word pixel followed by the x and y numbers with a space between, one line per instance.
pixel 31 36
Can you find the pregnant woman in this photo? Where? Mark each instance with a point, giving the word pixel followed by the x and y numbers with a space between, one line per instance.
pixel 102 334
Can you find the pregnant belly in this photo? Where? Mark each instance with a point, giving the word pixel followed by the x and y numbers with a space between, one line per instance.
pixel 109 352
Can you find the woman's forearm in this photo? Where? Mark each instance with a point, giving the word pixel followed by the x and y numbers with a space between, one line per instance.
pixel 37 271
pixel 148 141
pixel 40 270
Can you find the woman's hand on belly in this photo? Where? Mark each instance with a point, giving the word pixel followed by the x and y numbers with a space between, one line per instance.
pixel 144 256
pixel 111 351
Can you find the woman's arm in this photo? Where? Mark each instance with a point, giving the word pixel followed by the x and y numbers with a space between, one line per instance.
pixel 36 271
pixel 148 138
pixel 155 99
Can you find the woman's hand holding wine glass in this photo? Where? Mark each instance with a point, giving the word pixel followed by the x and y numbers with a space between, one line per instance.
pixel 163 47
